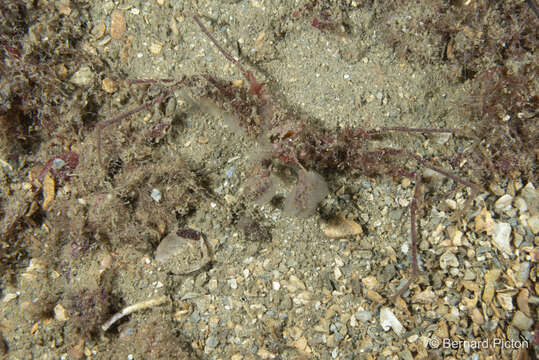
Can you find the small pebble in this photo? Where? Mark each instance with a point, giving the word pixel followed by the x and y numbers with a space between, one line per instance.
pixel 413 338
pixel 109 85
pixel 364 316
pixel 501 236
pixel 337 273
pixel 83 77
pixel 155 48
pixel 521 321
pixel 233 283
pixel 448 259
pixel 405 182
pixel 530 195
pixel 523 300
pixel 230 172
pixel 469 275
pixel 477 317
pixel 442 138
pixel 452 204
pixel 496 189
pixel 503 203
pixel 522 274
pixel 521 205
pixel 211 342
pixel 212 285
pixel 533 222
pixel 58 163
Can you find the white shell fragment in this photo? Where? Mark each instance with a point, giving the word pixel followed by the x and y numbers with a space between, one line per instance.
pixel 9 297
pixel 506 300
pixel 60 313
pixel 503 203
pixel 389 320
pixel 156 195
pixel 501 236
pixel 132 308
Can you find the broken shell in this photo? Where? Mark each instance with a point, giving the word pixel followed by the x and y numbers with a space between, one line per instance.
pixel 477 317
pixel 156 195
pixel 506 300
pixel 470 302
pixel 48 192
pixel 370 282
pixel 99 30
pixel 389 320
pixel 9 297
pixel 63 7
pixel 117 25
pixel 34 207
pixel 522 302
pixel 341 227
pixel 483 222
pixel 521 321
pixel 60 313
pixel 425 297
pixel 490 278
pixel 374 296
